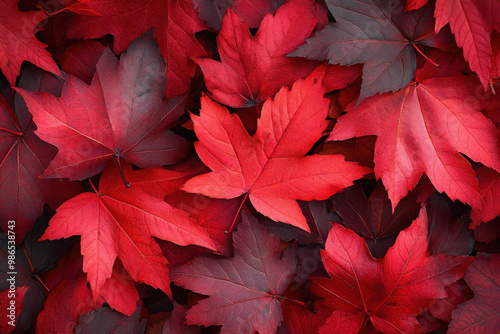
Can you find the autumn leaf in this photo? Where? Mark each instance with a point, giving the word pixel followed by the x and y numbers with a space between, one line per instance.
pixel 423 129
pixel 270 167
pixel 389 292
pixel 244 290
pixel 252 68
pixel 120 115
pixel 120 222
pixel 378 35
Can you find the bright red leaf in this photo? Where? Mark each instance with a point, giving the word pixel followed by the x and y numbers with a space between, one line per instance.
pixel 120 222
pixel 120 115
pixel 423 129
pixel 389 292
pixel 244 290
pixel 270 167
pixel 252 68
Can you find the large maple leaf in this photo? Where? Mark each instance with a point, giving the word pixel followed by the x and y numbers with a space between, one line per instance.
pixel 376 34
pixel 244 290
pixel 120 222
pixel 18 42
pixel 175 23
pixel 252 68
pixel 120 115
pixel 472 23
pixel 270 167
pixel 423 129
pixel 389 292
pixel 482 313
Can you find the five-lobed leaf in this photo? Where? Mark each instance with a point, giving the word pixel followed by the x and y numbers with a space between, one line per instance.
pixel 244 289
pixel 377 34
pixel 120 115
pixel 389 292
pixel 423 129
pixel 120 222
pixel 270 167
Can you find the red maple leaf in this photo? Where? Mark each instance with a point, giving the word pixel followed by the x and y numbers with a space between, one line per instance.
pixel 244 290
pixel 252 68
pixel 175 23
pixel 389 292
pixel 482 313
pixel 423 129
pixel 120 115
pixel 120 222
pixel 270 167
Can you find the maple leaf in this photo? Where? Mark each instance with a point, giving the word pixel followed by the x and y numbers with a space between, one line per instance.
pixel 18 42
pixel 423 129
pixel 482 313
pixel 251 12
pixel 120 115
pixel 120 222
pixel 472 23
pixel 244 290
pixel 177 322
pixel 175 23
pixel 105 320
pixel 270 167
pixel 414 4
pixel 252 68
pixel 377 34
pixel 389 292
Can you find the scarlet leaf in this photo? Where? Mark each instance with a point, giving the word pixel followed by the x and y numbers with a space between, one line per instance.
pixel 175 23
pixel 377 34
pixel 423 129
pixel 489 185
pixel 482 313
pixel 252 68
pixel 270 166
pixel 18 42
pixel 7 324
pixel 121 222
pixel 389 292
pixel 120 115
pixel 244 290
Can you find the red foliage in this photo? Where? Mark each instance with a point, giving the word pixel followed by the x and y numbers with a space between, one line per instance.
pixel 241 166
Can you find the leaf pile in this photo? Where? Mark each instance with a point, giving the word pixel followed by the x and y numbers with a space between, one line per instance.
pixel 237 166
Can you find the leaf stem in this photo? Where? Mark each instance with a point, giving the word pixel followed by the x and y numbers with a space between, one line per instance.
pixel 95 190
pixel 127 184
pixel 298 302
pixel 236 215
pixel 420 51
pixel 13 132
